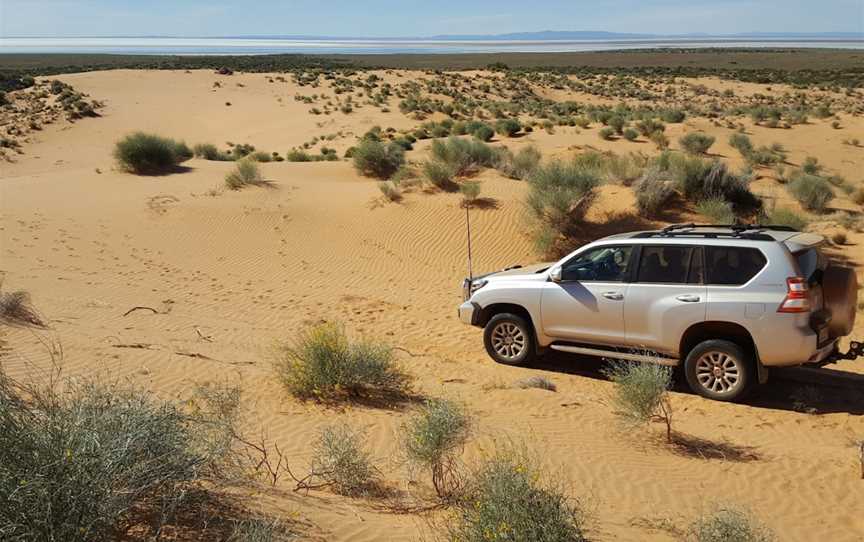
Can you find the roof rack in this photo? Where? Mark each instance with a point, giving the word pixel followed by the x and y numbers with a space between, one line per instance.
pixel 734 227
pixel 753 232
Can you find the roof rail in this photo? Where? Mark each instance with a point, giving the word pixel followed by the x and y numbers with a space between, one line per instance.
pixel 738 228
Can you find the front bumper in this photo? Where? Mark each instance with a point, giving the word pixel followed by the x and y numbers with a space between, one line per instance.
pixel 469 313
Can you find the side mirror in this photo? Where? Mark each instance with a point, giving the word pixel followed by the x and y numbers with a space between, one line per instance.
pixel 555 275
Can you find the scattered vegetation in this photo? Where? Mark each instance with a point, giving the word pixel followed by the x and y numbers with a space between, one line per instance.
pixel 729 525
pixel 207 151
pixel 787 217
pixel 245 173
pixel 376 159
pixel 323 364
pixel 518 165
pixel 341 462
pixel 642 393
pixel 717 210
pixel 812 191
pixel 696 142
pixel 148 154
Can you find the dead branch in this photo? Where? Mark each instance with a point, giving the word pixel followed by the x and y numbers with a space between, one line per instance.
pixel 140 308
pixel 208 338
pixel 142 346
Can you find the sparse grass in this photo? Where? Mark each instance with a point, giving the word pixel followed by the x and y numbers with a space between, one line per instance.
pixel 537 382
pixel 322 363
pixel 660 140
pixel 717 210
pixel 653 192
pixel 376 159
pixel 340 461
pixel 729 525
pixel 642 393
pixel 259 530
pixel 696 143
pixel 149 154
pixel 390 190
pixel 433 439
pixel 518 165
pixel 510 498
pixel 813 192
pixel 93 460
pixel 787 217
pixel 245 173
pixel 741 143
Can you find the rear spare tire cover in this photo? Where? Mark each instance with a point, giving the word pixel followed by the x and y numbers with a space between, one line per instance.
pixel 840 288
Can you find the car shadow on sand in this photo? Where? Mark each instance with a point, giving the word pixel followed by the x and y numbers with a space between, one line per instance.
pixel 795 389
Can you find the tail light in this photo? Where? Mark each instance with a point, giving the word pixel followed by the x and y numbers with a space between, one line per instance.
pixel 797 296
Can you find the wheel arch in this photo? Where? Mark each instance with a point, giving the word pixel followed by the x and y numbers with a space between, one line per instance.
pixel 730 331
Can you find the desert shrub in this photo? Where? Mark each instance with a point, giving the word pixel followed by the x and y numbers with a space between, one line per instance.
pixel 624 169
pixel 729 525
pixel 653 192
pixel 696 142
pixel 617 123
pixel 538 382
pixel 261 156
pixel 340 461
pixel 148 154
pixel 718 210
pixel 208 151
pixel 766 156
pixel 741 143
pixel 390 190
pixel 607 133
pixel 649 126
pixel 813 192
pixel 839 238
pixel 518 165
pixel 246 172
pixel 92 460
pixel 510 498
pixel 858 196
pixel 404 142
pixel 462 155
pixel 375 159
pixel 440 175
pixel 559 196
pixel 811 166
pixel 470 191
pixel 433 439
pixel 242 150
pixel 259 530
pixel 16 310
pixel 787 217
pixel 322 363
pixel 673 116
pixel 630 134
pixel 699 179
pixel 298 155
pixel 642 392
pixel 483 132
pixel 508 127
pixel 660 140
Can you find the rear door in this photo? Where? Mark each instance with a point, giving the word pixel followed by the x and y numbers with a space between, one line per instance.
pixel 667 296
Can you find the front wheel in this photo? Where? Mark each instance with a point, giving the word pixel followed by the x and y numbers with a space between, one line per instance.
pixel 719 370
pixel 509 339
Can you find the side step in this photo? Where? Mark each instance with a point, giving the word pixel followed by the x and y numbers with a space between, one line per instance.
pixel 611 354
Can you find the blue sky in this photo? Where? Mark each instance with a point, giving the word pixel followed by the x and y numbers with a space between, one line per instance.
pixel 421 17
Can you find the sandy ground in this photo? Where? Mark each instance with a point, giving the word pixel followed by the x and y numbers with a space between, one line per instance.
pixel 253 267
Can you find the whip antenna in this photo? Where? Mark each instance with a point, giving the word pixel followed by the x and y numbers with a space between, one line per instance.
pixel 468 224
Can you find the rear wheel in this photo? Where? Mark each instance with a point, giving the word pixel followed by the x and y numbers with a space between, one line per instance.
pixel 509 339
pixel 719 370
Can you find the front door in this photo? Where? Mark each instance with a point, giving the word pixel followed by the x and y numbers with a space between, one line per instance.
pixel 587 304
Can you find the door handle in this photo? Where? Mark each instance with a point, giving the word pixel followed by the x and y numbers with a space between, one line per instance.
pixel 688 298
pixel 615 296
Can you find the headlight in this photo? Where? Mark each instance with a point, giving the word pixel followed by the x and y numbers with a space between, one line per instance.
pixel 469 287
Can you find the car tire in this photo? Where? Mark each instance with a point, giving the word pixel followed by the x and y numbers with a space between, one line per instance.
pixel 509 339
pixel 719 370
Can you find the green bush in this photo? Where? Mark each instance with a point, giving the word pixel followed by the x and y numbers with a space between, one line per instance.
pixel 813 192
pixel 653 192
pixel 322 363
pixel 607 133
pixel 148 154
pixel 673 116
pixel 630 134
pixel 741 143
pixel 484 132
pixel 433 438
pixel 462 155
pixel 698 179
pixel 94 460
pixel 440 175
pixel 207 151
pixel 375 159
pixel 717 210
pixel 470 191
pixel 518 165
pixel 510 498
pixel 649 126
pixel 811 166
pixel 642 392
pixel 246 172
pixel 340 461
pixel 660 140
pixel 696 142
pixel 508 127
pixel 787 217
pixel 729 525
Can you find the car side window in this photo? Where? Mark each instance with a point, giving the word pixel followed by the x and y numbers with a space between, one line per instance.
pixel 733 266
pixel 665 264
pixel 601 264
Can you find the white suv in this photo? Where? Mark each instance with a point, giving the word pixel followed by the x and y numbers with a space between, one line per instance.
pixel 729 301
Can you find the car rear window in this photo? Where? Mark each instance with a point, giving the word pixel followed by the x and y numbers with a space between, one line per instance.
pixel 810 261
pixel 733 266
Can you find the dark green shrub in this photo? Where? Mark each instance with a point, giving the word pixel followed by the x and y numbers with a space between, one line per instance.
pixel 261 156
pixel 148 154
pixel 375 159
pixel 673 116
pixel 811 166
pixel 617 123
pixel 508 127
pixel 813 192
pixel 509 498
pixel 484 132
pixel 208 151
pixel 607 133
pixel 462 155
pixel 649 126
pixel 323 364
pixel 630 134
pixel 440 175
pixel 696 142
pixel 741 143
